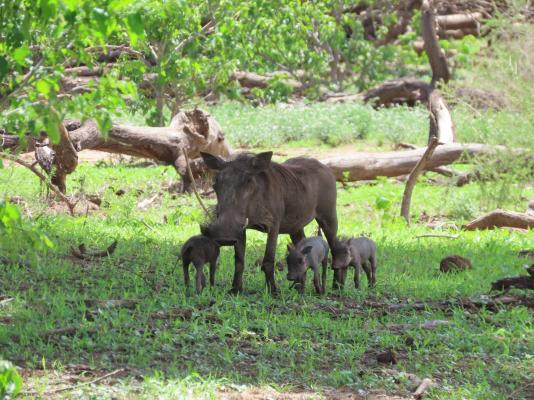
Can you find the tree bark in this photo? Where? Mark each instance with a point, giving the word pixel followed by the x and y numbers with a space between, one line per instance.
pixel 441 125
pixel 65 159
pixel 412 179
pixel 436 56
pixel 501 218
pixel 194 131
pixel 459 21
pixel 367 166
pixel 250 80
pixel 399 91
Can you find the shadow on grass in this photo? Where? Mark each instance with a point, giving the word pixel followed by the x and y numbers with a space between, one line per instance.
pixel 60 315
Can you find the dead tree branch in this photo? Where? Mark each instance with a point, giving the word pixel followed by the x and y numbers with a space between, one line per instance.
pixel 412 179
pixel 436 56
pixel 501 218
pixel 82 254
pixel 43 178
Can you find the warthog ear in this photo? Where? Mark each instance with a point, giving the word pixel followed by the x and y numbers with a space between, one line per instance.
pixel 306 250
pixel 290 247
pixel 261 161
pixel 213 162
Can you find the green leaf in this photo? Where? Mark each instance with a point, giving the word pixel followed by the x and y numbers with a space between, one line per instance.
pixel 48 9
pixel 135 27
pixel 101 17
pixel 382 203
pixel 4 67
pixel 20 55
pixel 48 243
pixel 10 380
pixel 72 5
pixel 11 211
pixel 52 129
pixel 43 87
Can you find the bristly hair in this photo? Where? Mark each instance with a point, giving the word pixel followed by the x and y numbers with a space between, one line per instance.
pixel 275 171
pixel 342 240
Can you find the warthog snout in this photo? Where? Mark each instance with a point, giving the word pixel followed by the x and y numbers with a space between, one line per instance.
pixel 225 234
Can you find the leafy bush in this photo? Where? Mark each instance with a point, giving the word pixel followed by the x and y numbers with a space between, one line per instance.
pixel 16 237
pixel 10 381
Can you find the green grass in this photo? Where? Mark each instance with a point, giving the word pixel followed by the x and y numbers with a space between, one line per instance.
pixel 336 124
pixel 193 346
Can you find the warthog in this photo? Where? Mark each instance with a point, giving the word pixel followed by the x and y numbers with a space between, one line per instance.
pixel 309 253
pixel 253 192
pixel 200 250
pixel 359 253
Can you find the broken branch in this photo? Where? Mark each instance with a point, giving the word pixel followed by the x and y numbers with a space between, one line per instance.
pixel 412 179
pixel 43 178
pixel 83 255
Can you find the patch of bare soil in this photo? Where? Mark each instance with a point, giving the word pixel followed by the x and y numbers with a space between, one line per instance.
pixel 93 156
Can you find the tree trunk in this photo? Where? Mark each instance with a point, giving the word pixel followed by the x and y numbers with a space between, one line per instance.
pixel 367 166
pixel 194 131
pixel 436 57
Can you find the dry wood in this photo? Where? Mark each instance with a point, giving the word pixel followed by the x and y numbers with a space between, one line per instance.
pixel 438 236
pixel 501 218
pixel 412 179
pixel 250 80
pixel 440 119
pixel 492 304
pixel 426 384
pixel 436 56
pixel 459 21
pixel 361 166
pixel 82 254
pixel 193 130
pixel 399 91
pixel 43 178
pixel 526 253
pixel 143 204
pixel 65 159
pixel 457 33
pixel 341 97
pixel 193 184
pixel 517 282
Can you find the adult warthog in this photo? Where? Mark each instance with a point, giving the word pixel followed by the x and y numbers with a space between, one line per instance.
pixel 254 192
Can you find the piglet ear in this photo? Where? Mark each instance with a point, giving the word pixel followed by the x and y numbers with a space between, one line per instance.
pixel 213 162
pixel 262 161
pixel 306 249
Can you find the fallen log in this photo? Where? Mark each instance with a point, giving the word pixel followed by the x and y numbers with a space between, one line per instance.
pixel 399 91
pixel 459 21
pixel 491 304
pixel 501 218
pixel 458 33
pixel 82 253
pixel 366 166
pixel 517 282
pixel 194 131
pixel 250 80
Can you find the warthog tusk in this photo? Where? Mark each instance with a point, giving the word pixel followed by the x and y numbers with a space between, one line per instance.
pixel 246 223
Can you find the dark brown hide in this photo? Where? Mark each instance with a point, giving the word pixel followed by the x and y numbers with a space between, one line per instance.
pixel 255 193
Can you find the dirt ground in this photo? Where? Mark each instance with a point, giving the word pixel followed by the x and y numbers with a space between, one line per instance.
pixel 93 156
